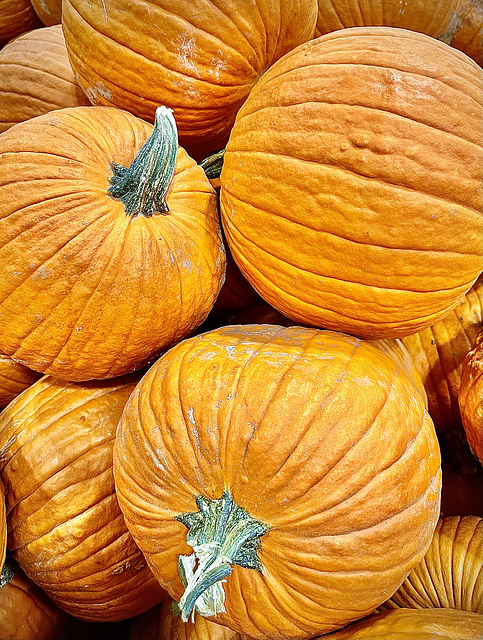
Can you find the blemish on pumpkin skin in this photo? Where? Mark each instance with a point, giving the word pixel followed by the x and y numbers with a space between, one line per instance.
pixel 99 89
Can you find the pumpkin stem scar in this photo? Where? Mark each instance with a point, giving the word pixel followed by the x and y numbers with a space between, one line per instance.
pixel 222 534
pixel 142 187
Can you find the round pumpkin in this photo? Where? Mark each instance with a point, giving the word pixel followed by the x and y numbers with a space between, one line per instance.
pixel 471 394
pixel 16 17
pixel 351 183
pixel 110 242
pixel 65 528
pixel 36 77
pixel 14 378
pixel 468 36
pixel 451 573
pixel 414 624
pixel 26 613
pixel 304 457
pixel 199 58
pixel 438 18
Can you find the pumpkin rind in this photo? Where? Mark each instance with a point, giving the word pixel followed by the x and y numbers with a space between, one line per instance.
pixel 351 183
pixel 89 291
pixel 451 573
pixel 36 77
pixel 290 421
pixel 14 378
pixel 199 58
pixel 471 394
pixel 49 11
pixel 16 17
pixel 65 528
pixel 468 36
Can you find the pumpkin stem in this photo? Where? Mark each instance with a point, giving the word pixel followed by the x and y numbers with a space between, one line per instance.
pixel 142 187
pixel 213 164
pixel 8 571
pixel 222 534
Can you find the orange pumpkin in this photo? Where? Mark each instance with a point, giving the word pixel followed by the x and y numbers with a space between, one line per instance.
pixel 451 573
pixel 468 36
pixel 350 196
pixel 14 378
pixel 16 17
pixel 308 456
pixel 200 59
pixel 65 528
pixel 104 266
pixel 26 613
pixel 414 624
pixel 36 77
pixel 471 395
pixel 438 18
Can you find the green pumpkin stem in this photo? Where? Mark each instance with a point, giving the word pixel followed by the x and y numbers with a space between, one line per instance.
pixel 222 534
pixel 212 165
pixel 143 186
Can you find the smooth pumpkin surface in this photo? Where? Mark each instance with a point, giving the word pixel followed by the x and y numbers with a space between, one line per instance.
pixel 14 378
pixel 471 394
pixel 65 528
pixel 91 290
pixel 200 58
pixel 351 183
pixel 415 624
pixel 324 451
pixel 16 17
pixel 437 18
pixel 36 77
pixel 451 573
pixel 468 36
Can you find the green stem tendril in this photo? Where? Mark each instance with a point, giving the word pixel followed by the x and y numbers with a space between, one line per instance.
pixel 221 534
pixel 142 187
pixel 212 165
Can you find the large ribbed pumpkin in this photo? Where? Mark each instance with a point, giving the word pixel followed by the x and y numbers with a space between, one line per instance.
pixel 437 18
pixel 110 242
pixel 200 58
pixel 351 186
pixel 299 466
pixel 36 77
pixel 65 528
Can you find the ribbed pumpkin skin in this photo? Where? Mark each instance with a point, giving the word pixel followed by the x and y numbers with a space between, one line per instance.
pixel 49 11
pixel 26 613
pixel 16 17
pixel 290 420
pixel 88 291
pixel 415 624
pixel 438 353
pixel 36 77
pixel 451 573
pixel 438 18
pixel 200 58
pixel 471 394
pixel 14 378
pixel 351 184
pixel 468 36
pixel 160 623
pixel 65 528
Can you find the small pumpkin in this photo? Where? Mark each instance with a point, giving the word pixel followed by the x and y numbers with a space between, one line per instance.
pixel 14 378
pixel 468 36
pixel 201 60
pixel 438 18
pixel 306 453
pixel 36 77
pixel 471 394
pixel 451 573
pixel 16 17
pixel 414 624
pixel 65 528
pixel 350 197
pixel 110 240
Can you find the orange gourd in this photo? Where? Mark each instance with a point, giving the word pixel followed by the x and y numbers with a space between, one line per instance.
pixel 65 528
pixel 201 59
pixel 470 398
pixel 111 239
pixel 351 183
pixel 306 455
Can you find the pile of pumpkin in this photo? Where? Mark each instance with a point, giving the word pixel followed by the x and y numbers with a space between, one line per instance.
pixel 241 301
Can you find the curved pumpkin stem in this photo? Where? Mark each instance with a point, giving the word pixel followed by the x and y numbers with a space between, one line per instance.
pixel 143 186
pixel 213 164
pixel 222 534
